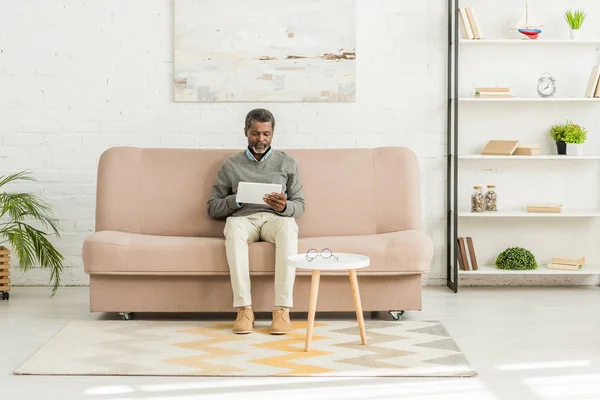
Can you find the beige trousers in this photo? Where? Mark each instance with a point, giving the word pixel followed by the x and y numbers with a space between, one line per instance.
pixel 268 227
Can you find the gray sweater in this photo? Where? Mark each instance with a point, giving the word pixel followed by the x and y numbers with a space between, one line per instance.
pixel 276 167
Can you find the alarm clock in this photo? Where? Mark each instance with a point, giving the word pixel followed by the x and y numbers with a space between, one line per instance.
pixel 546 86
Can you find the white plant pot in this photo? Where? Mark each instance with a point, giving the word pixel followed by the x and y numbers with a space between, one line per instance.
pixel 574 34
pixel 574 149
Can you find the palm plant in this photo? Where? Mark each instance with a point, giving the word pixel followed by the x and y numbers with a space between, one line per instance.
pixel 29 243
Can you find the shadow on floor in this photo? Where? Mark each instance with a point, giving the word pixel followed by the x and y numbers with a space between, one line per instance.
pixel 230 316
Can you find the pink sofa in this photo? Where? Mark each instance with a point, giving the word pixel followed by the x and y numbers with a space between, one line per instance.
pixel 155 248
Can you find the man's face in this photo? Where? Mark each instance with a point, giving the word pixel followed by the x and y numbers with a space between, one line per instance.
pixel 259 136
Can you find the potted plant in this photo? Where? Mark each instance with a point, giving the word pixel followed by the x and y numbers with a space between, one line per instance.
pixel 575 136
pixel 516 258
pixel 575 133
pixel 557 132
pixel 24 220
pixel 575 20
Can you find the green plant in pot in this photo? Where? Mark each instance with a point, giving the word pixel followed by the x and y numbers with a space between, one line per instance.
pixel 575 136
pixel 516 258
pixel 575 19
pixel 24 222
pixel 568 133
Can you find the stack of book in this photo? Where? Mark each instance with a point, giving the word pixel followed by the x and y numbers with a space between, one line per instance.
pixel 593 87
pixel 567 263
pixel 492 92
pixel 510 148
pixel 461 250
pixel 468 23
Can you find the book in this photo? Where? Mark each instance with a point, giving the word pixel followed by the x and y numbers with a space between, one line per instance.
pixel 459 257
pixel 500 147
pixel 568 260
pixel 476 21
pixel 462 255
pixel 466 27
pixel 474 265
pixel 593 82
pixel 496 92
pixel 471 19
pixel 491 95
pixel 527 150
pixel 565 267
pixel 544 208
pixel 492 89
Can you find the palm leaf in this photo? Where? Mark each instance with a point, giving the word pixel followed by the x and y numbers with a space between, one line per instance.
pixel 20 206
pixel 17 176
pixel 30 244
pixel 20 243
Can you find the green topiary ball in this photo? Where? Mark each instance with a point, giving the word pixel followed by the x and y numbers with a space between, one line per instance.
pixel 516 258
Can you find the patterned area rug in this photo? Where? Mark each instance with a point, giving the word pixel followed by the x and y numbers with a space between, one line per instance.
pixel 405 348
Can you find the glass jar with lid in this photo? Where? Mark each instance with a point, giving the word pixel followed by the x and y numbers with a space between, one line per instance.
pixel 491 198
pixel 477 202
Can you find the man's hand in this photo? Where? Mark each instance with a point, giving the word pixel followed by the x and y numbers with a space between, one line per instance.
pixel 276 200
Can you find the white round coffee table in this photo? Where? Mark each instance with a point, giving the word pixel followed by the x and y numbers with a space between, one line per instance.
pixel 345 261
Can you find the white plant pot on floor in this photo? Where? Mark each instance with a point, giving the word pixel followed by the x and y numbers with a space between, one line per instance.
pixel 574 149
pixel 574 34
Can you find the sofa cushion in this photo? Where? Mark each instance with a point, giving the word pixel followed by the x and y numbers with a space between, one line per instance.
pixel 107 252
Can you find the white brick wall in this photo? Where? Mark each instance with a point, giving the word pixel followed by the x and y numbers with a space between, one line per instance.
pixel 77 77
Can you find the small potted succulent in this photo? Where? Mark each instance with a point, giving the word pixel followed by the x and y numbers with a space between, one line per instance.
pixel 568 135
pixel 516 258
pixel 575 19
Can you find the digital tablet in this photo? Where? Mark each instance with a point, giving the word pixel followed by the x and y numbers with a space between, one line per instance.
pixel 254 193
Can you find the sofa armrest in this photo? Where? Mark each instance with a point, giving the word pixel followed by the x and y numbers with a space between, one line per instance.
pixel 408 251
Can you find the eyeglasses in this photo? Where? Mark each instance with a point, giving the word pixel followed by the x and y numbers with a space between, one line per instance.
pixel 325 253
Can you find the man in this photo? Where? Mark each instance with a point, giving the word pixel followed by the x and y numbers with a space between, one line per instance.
pixel 271 222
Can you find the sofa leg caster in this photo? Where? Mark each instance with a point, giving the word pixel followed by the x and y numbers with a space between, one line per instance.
pixel 125 316
pixel 396 314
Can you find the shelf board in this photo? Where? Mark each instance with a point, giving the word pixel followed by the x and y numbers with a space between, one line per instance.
pixel 530 100
pixel 541 270
pixel 529 41
pixel 525 214
pixel 540 157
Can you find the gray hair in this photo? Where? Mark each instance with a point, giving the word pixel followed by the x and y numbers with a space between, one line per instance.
pixel 259 115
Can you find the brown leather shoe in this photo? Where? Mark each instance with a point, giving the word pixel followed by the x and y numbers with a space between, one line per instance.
pixel 244 321
pixel 281 322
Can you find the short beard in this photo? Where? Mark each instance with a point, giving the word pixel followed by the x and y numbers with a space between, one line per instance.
pixel 263 151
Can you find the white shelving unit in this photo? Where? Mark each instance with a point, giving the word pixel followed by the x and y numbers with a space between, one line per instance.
pixel 511 62
pixel 541 270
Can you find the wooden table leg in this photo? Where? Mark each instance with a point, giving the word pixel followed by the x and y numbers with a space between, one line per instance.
pixel 358 305
pixel 312 307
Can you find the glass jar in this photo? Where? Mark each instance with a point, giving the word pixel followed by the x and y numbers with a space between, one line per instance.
pixel 477 203
pixel 491 198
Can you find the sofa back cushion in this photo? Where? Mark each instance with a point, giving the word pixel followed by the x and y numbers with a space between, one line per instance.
pixel 347 191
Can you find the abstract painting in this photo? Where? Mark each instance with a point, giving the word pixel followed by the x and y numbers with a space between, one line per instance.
pixel 264 50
